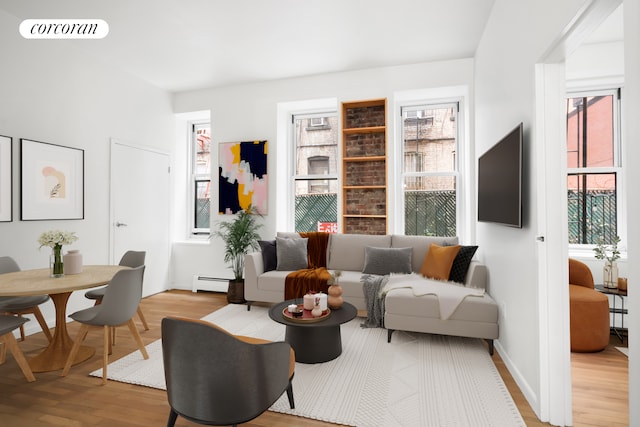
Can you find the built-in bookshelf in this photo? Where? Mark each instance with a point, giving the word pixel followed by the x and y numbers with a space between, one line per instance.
pixel 364 167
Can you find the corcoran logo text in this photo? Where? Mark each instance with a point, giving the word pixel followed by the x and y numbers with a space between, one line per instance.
pixel 64 29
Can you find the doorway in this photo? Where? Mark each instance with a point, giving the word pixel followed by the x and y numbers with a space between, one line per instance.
pixel 140 183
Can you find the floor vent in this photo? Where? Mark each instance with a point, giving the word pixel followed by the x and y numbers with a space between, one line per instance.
pixel 208 283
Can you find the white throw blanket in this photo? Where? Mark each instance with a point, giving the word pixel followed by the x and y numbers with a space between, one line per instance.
pixel 450 294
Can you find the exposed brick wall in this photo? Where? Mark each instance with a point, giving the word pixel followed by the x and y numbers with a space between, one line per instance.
pixel 366 201
pixel 365 145
pixel 365 173
pixel 365 226
pixel 365 117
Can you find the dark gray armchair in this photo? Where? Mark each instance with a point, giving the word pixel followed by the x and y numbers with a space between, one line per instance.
pixel 216 378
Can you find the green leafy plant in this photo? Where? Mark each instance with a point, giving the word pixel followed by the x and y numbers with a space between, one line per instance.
pixel 610 253
pixel 239 235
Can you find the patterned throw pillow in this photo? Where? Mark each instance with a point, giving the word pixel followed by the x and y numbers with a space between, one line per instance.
pixel 461 263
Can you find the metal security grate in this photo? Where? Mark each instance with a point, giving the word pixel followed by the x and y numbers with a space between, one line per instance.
pixel 431 213
pixel 592 215
pixel 314 208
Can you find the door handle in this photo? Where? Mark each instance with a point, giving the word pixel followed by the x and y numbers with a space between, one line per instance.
pixel 120 224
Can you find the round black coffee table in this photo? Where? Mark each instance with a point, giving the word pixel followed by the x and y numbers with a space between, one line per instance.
pixel 314 342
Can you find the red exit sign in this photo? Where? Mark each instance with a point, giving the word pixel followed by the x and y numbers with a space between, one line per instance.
pixel 328 227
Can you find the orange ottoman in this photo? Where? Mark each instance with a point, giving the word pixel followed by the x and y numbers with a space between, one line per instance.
pixel 589 318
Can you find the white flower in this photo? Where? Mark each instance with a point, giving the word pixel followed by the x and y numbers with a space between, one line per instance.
pixel 54 238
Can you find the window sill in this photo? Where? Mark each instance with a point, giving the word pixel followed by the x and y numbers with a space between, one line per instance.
pixel 194 240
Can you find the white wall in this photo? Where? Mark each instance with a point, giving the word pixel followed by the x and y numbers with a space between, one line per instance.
pixel 53 92
pixel 249 112
pixel 631 131
pixel 515 39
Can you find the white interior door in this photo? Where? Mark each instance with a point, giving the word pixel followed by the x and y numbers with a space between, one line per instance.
pixel 140 209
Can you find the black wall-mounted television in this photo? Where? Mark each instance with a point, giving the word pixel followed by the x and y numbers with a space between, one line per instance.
pixel 500 181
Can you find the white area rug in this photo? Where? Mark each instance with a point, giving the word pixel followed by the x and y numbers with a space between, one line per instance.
pixel 416 380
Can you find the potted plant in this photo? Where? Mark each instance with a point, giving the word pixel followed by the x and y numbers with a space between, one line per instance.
pixel 239 235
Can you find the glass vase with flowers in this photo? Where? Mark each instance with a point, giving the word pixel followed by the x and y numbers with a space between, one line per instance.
pixel 55 239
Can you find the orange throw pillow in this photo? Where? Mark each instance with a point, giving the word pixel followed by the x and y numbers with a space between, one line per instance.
pixel 438 261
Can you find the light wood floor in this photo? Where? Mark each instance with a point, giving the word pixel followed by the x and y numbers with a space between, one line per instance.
pixel 600 389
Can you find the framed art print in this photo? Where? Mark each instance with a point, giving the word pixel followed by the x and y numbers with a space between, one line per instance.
pixel 242 180
pixel 52 181
pixel 6 181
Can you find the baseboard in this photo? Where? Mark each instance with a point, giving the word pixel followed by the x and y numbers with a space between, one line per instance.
pixel 521 382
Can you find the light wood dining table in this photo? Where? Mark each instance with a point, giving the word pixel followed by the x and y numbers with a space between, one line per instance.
pixel 38 282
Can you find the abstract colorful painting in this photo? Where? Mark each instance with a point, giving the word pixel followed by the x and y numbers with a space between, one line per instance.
pixel 243 177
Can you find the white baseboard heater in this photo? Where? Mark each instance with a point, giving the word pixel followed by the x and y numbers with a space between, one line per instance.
pixel 203 282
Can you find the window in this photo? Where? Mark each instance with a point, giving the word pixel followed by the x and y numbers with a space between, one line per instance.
pixel 430 169
pixel 201 177
pixel 315 171
pixel 319 165
pixel 593 166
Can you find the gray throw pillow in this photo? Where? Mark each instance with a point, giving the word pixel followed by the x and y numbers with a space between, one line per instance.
pixel 383 261
pixel 292 254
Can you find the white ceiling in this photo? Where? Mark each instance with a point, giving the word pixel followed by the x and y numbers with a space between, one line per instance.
pixel 182 45
pixel 190 44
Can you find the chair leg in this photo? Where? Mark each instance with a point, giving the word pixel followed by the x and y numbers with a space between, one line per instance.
pixel 173 416
pixel 3 352
pixel 142 319
pixel 45 328
pixel 82 333
pixel 106 351
pixel 136 335
pixel 21 330
pixel 9 341
pixel 112 337
pixel 292 405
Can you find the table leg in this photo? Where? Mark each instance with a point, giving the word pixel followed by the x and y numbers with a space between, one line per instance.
pixel 55 355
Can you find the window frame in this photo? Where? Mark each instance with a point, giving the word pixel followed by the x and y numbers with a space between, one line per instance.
pixel 326 178
pixel 195 178
pixel 616 169
pixel 456 172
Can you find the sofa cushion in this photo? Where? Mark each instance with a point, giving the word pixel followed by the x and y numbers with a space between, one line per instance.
pixel 383 261
pixel 461 264
pixel 291 253
pixel 272 281
pixel 346 251
pixel 438 261
pixel 269 254
pixel 420 245
pixel 471 309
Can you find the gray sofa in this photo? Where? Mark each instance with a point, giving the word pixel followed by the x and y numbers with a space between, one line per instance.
pixel 475 317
